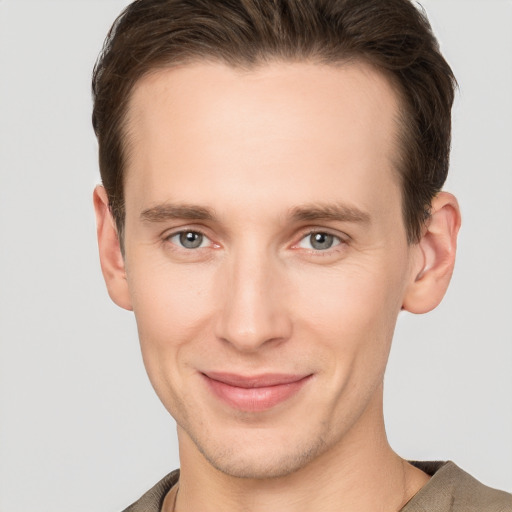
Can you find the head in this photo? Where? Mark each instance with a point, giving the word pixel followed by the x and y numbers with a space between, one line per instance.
pixel 392 36
pixel 272 174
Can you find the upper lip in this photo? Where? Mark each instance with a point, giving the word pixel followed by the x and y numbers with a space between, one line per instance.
pixel 255 381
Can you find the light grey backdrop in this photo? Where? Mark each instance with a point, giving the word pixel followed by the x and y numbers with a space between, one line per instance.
pixel 80 427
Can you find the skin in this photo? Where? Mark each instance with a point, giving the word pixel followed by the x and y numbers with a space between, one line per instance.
pixel 255 163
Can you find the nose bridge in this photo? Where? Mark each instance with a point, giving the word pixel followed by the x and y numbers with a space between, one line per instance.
pixel 252 310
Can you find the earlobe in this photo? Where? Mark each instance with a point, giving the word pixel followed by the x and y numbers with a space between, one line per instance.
pixel 436 256
pixel 111 257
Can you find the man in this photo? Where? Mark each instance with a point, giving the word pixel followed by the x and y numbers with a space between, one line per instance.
pixel 271 200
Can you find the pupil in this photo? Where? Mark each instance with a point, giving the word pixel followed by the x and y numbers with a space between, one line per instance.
pixel 321 241
pixel 191 240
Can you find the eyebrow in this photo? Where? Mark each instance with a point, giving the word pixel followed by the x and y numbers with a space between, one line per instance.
pixel 164 212
pixel 335 212
pixel 309 212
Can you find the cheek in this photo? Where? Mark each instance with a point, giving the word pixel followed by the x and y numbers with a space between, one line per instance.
pixel 350 290
pixel 172 305
pixel 351 315
pixel 352 309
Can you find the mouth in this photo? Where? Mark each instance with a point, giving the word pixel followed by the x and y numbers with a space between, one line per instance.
pixel 254 393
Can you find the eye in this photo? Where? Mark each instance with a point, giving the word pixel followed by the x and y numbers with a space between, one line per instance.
pixel 189 239
pixel 319 241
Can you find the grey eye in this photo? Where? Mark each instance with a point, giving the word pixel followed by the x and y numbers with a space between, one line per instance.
pixel 321 241
pixel 190 239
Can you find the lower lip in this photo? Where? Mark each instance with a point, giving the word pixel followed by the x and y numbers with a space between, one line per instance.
pixel 255 399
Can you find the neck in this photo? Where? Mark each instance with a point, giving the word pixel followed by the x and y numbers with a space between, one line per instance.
pixel 361 472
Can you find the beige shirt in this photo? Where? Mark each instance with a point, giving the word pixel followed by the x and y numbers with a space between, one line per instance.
pixel 449 490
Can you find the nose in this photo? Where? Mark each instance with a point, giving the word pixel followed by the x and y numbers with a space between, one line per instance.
pixel 253 307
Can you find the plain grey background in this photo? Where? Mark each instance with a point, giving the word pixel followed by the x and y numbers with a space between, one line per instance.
pixel 80 426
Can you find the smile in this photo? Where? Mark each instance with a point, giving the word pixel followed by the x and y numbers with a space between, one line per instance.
pixel 257 393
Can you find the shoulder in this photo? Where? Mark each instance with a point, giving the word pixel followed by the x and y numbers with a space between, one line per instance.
pixel 152 500
pixel 453 490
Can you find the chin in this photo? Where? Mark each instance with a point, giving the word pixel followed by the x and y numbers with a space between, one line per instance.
pixel 262 460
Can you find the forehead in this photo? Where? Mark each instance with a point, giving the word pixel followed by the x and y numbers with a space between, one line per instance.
pixel 316 129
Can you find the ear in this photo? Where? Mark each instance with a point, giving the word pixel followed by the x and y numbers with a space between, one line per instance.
pixel 436 256
pixel 111 257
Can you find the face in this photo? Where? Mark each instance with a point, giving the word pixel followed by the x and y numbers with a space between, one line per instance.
pixel 265 254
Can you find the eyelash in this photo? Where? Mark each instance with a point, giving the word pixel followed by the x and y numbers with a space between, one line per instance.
pixel 341 242
pixel 174 234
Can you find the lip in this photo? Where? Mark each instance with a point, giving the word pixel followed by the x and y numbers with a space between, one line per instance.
pixel 255 393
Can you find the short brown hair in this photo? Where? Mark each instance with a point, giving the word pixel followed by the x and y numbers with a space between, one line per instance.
pixel 392 35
